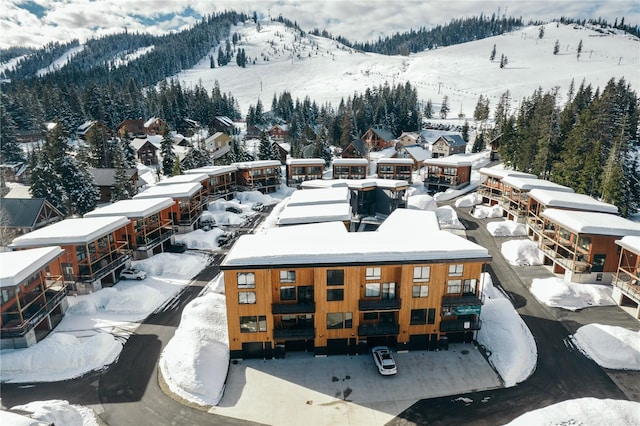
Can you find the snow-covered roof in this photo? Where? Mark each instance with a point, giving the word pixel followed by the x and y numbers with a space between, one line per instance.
pixel 186 178
pixel 432 135
pixel 177 190
pixel 140 208
pixel 21 264
pixel 315 213
pixel 452 161
pixel 257 163
pixel 395 161
pixel 527 184
pixel 421 222
pixel 630 243
pixel 212 170
pixel 417 152
pixel 224 120
pixel 71 231
pixel 499 173
pixel 594 223
pixel 319 196
pixel 137 143
pixel 150 121
pixel 570 200
pixel 325 244
pixel 323 183
pixel 383 153
pixel 376 183
pixel 350 162
pixel 304 161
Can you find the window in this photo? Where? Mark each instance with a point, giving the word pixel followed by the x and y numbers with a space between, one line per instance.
pixel 335 294
pixel 418 316
pixel 421 273
pixel 335 277
pixel 388 291
pixel 455 270
pixel 81 253
pixel 584 243
pixel 253 324
pixel 598 262
pixel 246 280
pixel 336 320
pixel 454 286
pixel 287 292
pixel 469 286
pixel 373 274
pixel 287 276
pixel 420 291
pixel 247 297
pixel 431 316
pixel 372 290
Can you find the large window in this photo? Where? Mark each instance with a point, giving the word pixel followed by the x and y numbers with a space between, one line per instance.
pixel 335 294
pixel 389 291
pixel 421 273
pixel 454 286
pixel 287 276
pixel 418 316
pixel 247 297
pixel 335 277
pixel 287 292
pixel 246 280
pixel 598 262
pixel 469 286
pixel 372 274
pixel 372 290
pixel 420 291
pixel 337 320
pixel 253 324
pixel 456 270
pixel 431 316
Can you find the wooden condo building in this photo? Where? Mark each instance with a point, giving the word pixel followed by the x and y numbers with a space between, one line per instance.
pixel 350 168
pixel 33 295
pixel 304 169
pixel 260 175
pixel 348 291
pixel 188 202
pixel 626 290
pixel 515 195
pixel 444 173
pixel 222 181
pixel 491 187
pixel 396 168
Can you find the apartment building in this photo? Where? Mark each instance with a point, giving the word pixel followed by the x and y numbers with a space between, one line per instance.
pixel 222 181
pixel 396 168
pixel 304 169
pixel 350 168
pixel 515 194
pixel 188 201
pixel 491 187
pixel 260 175
pixel 452 172
pixel 626 283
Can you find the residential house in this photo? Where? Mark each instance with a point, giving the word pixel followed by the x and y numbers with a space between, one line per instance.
pixel 222 180
pixel 452 172
pixel 224 124
pixel 626 283
pixel 281 149
pixel 278 132
pixel 154 126
pixel 260 175
pixel 515 194
pixel 33 295
pixel 93 125
pixel 150 225
pixel 188 202
pixel 146 151
pixel 14 172
pixel 350 168
pixel 356 149
pixel 217 141
pixel 284 294
pixel 93 254
pixel 23 215
pixel 303 169
pixel 105 181
pixel 447 145
pixel 582 244
pixel 395 168
pixel 415 152
pixel 130 129
pixel 409 138
pixel 491 187
pixel 378 138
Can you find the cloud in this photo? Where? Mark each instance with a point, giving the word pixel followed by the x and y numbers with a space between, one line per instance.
pixel 56 20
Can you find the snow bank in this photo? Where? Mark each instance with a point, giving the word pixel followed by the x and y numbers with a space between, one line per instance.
pixel 483 212
pixel 252 197
pixel 173 264
pixel 448 218
pixel 521 253
pixel 510 345
pixel 450 194
pixel 469 200
pixel 40 363
pixel 507 228
pixel 195 362
pixel 422 202
pixel 610 347
pixel 583 411
pixel 200 239
pixel 558 293
pixel 58 412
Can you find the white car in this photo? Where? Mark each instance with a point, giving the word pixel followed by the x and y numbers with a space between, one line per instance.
pixel 383 358
pixel 132 274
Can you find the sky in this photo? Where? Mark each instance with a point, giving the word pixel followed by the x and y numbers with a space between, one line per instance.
pixel 34 23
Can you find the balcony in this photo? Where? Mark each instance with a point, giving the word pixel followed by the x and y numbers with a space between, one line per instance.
pixel 293 308
pixel 119 259
pixel 294 333
pixel 460 325
pixel 379 305
pixel 14 328
pixel 628 284
pixel 378 329
pixel 464 300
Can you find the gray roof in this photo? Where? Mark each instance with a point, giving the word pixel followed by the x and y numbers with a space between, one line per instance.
pixel 384 133
pixel 454 140
pixel 360 146
pixel 24 212
pixel 106 177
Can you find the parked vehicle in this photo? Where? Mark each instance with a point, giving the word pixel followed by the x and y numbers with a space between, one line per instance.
pixel 132 274
pixel 176 248
pixel 383 358
pixel 234 209
pixel 258 207
pixel 207 224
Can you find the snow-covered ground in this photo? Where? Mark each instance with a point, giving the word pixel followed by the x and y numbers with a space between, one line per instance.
pixel 52 412
pixel 610 346
pixel 521 252
pixel 507 228
pixel 557 293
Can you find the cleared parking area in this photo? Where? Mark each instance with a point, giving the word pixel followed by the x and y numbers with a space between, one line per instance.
pixel 348 390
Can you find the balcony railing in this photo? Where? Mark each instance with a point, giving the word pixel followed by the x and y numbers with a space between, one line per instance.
pixel 33 320
pixel 152 243
pixel 121 259
pixel 628 284
pixel 460 325
pixel 294 333
pixel 464 300
pixel 293 308
pixel 378 329
pixel 379 304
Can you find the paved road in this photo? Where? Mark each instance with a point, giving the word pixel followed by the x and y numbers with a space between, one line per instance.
pixel 562 371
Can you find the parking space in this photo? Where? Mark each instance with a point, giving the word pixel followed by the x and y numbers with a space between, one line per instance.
pixel 348 390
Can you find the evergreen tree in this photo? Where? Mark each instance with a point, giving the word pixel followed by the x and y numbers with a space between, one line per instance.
pixel 265 151
pixel 556 47
pixel 481 112
pixel 10 151
pixel 492 56
pixel 128 152
pixel 465 131
pixel 99 149
pixel 479 143
pixel 428 109
pixel 79 186
pixel 444 108
pixel 168 156
pixel 579 50
pixel 177 167
pixel 503 61
pixel 541 31
pixel 123 187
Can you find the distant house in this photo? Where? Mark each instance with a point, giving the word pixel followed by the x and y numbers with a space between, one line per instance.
pixel 221 123
pixel 146 151
pixel 260 175
pixel 14 172
pixel 356 149
pixel 282 150
pixel 278 132
pixel 98 126
pixel 22 215
pixel 378 138
pixel 154 126
pixel 395 168
pixel 255 131
pixel 415 152
pixel 105 181
pixel 130 129
pixel 447 145
pixel 217 141
pixel 409 138
pixel 304 169
pixel 350 168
